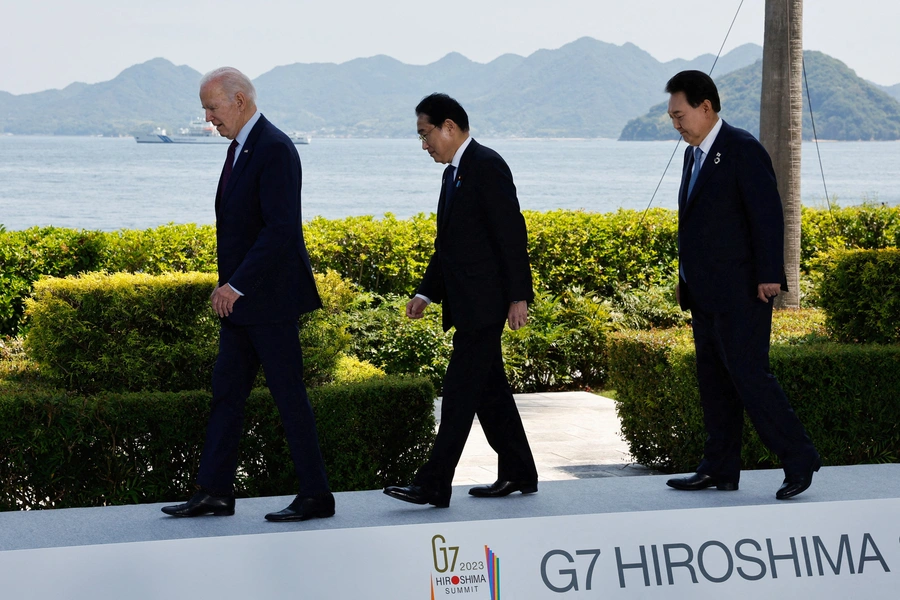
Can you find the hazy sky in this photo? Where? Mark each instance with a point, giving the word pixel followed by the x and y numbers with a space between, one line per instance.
pixel 52 43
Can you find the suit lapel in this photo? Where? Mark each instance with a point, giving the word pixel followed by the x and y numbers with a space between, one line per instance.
pixel 710 162
pixel 243 158
pixel 461 171
pixel 445 212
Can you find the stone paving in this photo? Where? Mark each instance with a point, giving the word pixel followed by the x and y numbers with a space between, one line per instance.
pixel 573 435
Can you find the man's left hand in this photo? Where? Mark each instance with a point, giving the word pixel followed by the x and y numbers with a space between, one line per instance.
pixel 223 299
pixel 767 290
pixel 518 315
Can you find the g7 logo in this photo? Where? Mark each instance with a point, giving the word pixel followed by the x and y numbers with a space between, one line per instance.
pixel 444 558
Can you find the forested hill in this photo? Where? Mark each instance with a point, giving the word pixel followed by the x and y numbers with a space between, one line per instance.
pixel 845 107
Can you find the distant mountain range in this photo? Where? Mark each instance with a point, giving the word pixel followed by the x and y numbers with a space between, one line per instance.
pixel 587 88
pixel 845 107
pixel 893 90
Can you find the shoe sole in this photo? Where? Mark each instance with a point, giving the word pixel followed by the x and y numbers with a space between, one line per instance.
pixel 526 489
pixel 206 513
pixel 722 487
pixel 318 515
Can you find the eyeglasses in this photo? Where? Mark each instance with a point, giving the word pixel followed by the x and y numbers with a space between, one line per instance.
pixel 423 137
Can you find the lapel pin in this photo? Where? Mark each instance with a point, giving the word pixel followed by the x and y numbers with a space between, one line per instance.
pixel 718 158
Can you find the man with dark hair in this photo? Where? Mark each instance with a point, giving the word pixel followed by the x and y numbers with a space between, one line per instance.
pixel 731 266
pixel 265 284
pixel 481 274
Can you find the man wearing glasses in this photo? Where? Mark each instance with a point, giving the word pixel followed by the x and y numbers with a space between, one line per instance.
pixel 481 275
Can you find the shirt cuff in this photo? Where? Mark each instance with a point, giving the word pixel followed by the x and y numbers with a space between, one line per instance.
pixel 425 298
pixel 236 291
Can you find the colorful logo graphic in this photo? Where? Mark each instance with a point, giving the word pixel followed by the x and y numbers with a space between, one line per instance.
pixel 493 567
pixel 459 573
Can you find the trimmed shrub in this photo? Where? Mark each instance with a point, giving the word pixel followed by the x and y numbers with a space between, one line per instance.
pixel 124 332
pixel 164 249
pixel 65 450
pixel 847 396
pixel 29 254
pixel 868 227
pixel 383 256
pixel 602 251
pixel 130 332
pixel 860 293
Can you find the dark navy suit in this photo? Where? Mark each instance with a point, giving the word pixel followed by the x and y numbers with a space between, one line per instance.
pixel 479 266
pixel 731 239
pixel 261 253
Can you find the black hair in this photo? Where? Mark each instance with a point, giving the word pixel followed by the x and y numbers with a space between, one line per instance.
pixel 440 107
pixel 697 86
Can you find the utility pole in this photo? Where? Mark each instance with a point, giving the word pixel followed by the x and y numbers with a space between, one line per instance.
pixel 781 122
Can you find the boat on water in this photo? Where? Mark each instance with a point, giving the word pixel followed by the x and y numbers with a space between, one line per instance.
pixel 199 131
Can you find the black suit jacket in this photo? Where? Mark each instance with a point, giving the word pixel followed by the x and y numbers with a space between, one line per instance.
pixel 731 228
pixel 480 261
pixel 259 235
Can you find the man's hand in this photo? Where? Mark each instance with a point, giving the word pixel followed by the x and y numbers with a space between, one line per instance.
pixel 518 315
pixel 767 290
pixel 223 299
pixel 415 308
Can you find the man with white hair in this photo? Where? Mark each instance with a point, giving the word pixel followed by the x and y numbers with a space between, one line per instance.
pixel 265 284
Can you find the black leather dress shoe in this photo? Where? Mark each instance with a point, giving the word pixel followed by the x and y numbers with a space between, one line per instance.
pixel 202 503
pixel 303 508
pixel 499 488
pixel 701 481
pixel 417 494
pixel 797 484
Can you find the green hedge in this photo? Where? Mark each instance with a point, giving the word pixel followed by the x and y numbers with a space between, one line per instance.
pixel 868 227
pixel 27 255
pixel 124 332
pixel 130 332
pixel 860 292
pixel 847 396
pixel 601 252
pixel 65 450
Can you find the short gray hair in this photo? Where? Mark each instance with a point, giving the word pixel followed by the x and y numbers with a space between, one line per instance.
pixel 232 82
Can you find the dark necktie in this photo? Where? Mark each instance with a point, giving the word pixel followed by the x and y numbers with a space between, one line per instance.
pixel 698 153
pixel 449 173
pixel 229 164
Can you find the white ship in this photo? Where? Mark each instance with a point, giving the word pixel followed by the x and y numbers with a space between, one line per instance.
pixel 199 131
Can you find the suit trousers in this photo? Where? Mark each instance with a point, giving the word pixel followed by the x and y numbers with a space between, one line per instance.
pixel 242 349
pixel 476 384
pixel 733 374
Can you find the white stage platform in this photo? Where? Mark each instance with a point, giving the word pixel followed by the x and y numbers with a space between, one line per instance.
pixel 611 537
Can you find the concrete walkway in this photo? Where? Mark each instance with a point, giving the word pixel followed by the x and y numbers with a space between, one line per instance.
pixel 573 435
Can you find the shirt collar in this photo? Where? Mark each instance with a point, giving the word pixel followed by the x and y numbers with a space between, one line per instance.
pixel 459 152
pixel 707 142
pixel 244 133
